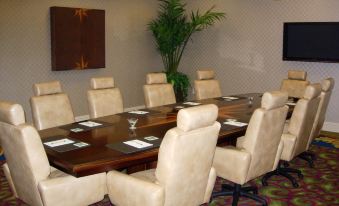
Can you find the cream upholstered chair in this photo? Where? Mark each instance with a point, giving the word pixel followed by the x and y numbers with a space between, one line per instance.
pixel 50 107
pixel 296 83
pixel 206 86
pixel 36 183
pixel 325 95
pixel 157 91
pixel 257 152
pixel 103 98
pixel 299 129
pixel 184 173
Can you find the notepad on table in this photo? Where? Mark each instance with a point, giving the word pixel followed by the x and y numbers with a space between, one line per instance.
pixel 138 112
pixel 237 124
pixel 138 144
pixel 192 103
pixel 90 124
pixel 59 142
pixel 230 98
pixel 291 103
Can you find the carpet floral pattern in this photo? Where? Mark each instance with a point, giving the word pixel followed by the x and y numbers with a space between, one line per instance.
pixel 318 187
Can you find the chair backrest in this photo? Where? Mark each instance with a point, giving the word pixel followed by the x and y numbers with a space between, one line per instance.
pixel 325 95
pixel 103 98
pixel 264 132
pixel 186 154
pixel 50 107
pixel 303 117
pixel 206 86
pixel 296 83
pixel 25 155
pixel 157 91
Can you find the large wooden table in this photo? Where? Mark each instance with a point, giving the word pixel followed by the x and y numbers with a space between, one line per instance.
pixel 99 158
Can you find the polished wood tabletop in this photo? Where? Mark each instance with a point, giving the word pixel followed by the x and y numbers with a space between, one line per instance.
pixel 99 158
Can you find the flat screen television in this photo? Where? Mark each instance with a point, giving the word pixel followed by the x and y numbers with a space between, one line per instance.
pixel 311 41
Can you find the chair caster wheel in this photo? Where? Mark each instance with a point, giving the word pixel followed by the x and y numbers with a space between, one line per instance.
pixel 286 164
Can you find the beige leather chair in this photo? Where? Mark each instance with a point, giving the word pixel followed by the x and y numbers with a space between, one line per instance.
pixel 36 183
pixel 184 173
pixel 299 129
pixel 257 152
pixel 206 86
pixel 296 83
pixel 325 95
pixel 50 107
pixel 103 98
pixel 157 91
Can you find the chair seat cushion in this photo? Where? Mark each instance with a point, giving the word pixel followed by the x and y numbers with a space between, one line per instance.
pixel 147 175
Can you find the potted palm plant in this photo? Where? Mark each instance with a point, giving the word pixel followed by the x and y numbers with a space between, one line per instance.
pixel 172 30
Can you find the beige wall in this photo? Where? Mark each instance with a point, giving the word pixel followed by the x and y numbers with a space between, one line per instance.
pixel 246 48
pixel 25 50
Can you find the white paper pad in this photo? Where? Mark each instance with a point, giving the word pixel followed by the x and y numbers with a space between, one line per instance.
pixel 137 144
pixel 59 142
pixel 237 124
pixel 90 124
pixel 291 103
pixel 138 112
pixel 231 98
pixel 192 103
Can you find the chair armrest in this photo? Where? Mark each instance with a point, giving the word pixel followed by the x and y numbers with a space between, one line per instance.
pixel 63 189
pixel 278 155
pixel 232 163
pixel 289 141
pixel 240 142
pixel 128 190
pixel 210 185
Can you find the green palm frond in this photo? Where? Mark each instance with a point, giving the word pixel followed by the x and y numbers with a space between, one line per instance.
pixel 172 29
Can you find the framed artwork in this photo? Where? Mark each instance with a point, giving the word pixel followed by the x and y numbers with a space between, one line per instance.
pixel 77 38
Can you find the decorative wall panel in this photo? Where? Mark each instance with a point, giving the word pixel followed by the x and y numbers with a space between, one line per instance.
pixel 78 38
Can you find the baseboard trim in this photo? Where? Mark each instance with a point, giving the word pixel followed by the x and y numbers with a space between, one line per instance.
pixel 86 116
pixel 331 127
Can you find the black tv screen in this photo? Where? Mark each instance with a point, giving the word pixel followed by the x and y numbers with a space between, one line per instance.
pixel 311 41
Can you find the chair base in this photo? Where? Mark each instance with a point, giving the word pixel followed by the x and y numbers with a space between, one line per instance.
pixel 283 171
pixel 309 157
pixel 237 191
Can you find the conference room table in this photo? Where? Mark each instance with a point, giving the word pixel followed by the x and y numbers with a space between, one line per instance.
pixel 97 155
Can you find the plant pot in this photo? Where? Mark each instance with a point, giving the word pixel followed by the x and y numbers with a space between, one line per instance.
pixel 179 95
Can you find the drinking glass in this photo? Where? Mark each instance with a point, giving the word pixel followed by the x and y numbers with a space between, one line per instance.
pixel 132 122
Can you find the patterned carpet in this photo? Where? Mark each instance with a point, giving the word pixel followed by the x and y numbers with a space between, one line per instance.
pixel 319 186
